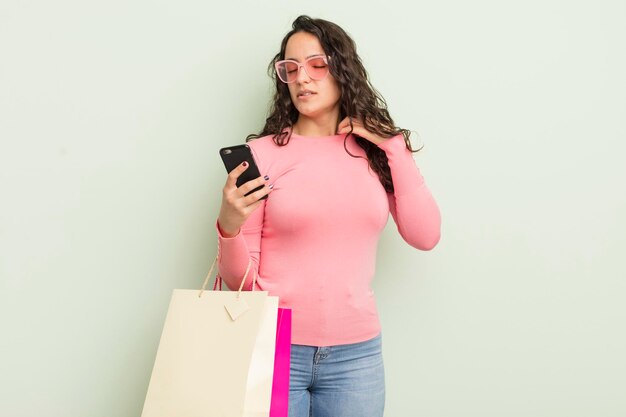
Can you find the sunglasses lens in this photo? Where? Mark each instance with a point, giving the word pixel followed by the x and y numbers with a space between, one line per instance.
pixel 316 68
pixel 287 71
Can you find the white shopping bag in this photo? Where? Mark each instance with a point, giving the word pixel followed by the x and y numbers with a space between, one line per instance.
pixel 216 355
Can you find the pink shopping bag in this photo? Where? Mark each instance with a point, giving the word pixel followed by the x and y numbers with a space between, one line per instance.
pixel 282 360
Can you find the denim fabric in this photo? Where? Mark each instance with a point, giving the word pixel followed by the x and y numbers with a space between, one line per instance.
pixel 337 381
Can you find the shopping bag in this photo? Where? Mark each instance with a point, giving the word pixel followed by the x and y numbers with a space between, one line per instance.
pixel 282 361
pixel 215 356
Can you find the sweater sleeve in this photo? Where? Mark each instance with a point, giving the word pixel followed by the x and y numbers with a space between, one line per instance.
pixel 412 205
pixel 234 253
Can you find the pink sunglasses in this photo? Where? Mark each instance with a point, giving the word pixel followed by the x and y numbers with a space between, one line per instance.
pixel 316 67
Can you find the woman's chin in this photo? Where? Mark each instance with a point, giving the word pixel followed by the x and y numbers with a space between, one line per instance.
pixel 309 111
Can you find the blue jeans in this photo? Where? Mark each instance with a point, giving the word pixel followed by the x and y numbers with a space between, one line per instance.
pixel 337 381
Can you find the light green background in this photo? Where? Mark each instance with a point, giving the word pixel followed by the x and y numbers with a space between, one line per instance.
pixel 111 115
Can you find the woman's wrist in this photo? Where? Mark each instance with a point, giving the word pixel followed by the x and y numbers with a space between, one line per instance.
pixel 227 233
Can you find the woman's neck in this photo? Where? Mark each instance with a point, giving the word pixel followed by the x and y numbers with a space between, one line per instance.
pixel 310 127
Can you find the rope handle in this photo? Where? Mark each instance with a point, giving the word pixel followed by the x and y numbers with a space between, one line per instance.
pixel 218 278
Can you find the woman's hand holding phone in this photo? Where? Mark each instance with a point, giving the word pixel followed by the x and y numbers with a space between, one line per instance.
pixel 236 206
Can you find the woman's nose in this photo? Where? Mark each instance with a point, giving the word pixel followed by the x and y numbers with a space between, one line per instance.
pixel 302 75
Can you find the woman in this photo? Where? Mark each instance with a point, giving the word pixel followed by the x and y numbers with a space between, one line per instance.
pixel 334 166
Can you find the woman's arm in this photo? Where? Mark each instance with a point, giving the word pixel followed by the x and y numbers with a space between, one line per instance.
pixel 412 205
pixel 241 217
pixel 234 253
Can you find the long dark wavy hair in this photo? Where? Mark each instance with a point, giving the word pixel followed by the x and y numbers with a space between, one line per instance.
pixel 359 99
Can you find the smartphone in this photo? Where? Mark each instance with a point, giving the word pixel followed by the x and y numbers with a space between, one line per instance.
pixel 233 156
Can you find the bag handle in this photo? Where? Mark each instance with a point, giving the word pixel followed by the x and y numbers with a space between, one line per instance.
pixel 218 278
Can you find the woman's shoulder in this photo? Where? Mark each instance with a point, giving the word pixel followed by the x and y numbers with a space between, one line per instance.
pixel 264 143
pixel 261 140
pixel 264 150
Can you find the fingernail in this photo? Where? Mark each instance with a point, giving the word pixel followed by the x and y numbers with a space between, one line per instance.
pixel 245 163
pixel 266 178
pixel 271 186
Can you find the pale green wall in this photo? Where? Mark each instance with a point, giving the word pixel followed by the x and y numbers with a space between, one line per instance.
pixel 111 115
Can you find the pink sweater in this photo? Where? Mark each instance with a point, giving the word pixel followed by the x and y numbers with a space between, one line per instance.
pixel 313 241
